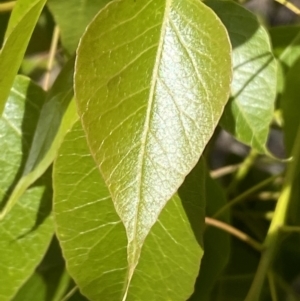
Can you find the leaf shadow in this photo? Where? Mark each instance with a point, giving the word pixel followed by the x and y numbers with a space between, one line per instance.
pixel 192 195
pixel 35 98
pixel 45 204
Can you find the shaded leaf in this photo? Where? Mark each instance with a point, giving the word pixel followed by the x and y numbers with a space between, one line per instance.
pixel 26 231
pixel 290 100
pixel 150 100
pixel 81 11
pixel 286 44
pixel 216 244
pixel 33 290
pixel 94 241
pixel 57 115
pixel 249 112
pixel 20 28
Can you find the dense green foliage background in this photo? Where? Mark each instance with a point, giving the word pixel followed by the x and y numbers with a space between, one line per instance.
pixel 149 151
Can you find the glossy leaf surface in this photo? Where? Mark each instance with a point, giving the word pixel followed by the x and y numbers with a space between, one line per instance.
pixel 249 112
pixel 26 231
pixel 150 99
pixel 94 240
pixel 15 43
pixel 81 11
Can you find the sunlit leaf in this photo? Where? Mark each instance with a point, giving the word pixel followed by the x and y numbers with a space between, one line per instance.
pixel 151 82
pixel 57 115
pixel 249 112
pixel 26 231
pixel 24 18
pixel 94 240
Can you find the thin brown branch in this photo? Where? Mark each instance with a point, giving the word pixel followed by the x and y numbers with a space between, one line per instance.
pixel 235 232
pixel 223 171
pixel 290 6
pixel 7 6
pixel 52 53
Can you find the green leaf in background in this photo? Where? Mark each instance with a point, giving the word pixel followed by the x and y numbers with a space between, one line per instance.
pixel 290 103
pixel 286 44
pixel 57 115
pixel 26 231
pixel 216 244
pixel 20 28
pixel 94 241
pixel 151 82
pixel 249 112
pixel 82 12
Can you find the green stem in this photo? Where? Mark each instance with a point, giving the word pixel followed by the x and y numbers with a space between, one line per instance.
pixel 272 239
pixel 243 170
pixel 244 195
pixel 272 286
pixel 7 6
pixel 290 229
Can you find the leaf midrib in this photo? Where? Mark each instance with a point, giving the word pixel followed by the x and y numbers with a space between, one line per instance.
pixel 141 159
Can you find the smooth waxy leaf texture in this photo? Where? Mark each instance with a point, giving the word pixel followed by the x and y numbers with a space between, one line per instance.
pixel 81 11
pixel 57 115
pixel 26 231
pixel 15 43
pixel 94 240
pixel 151 82
pixel 250 110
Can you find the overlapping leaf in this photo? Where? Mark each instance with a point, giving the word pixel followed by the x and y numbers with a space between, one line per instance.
pixel 286 44
pixel 151 81
pixel 94 240
pixel 249 113
pixel 20 28
pixel 26 231
pixel 216 244
pixel 57 115
pixel 81 11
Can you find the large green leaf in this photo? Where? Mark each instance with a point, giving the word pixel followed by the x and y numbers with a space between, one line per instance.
pixel 81 11
pixel 57 115
pixel 151 82
pixel 26 231
pixel 250 110
pixel 94 241
pixel 23 20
